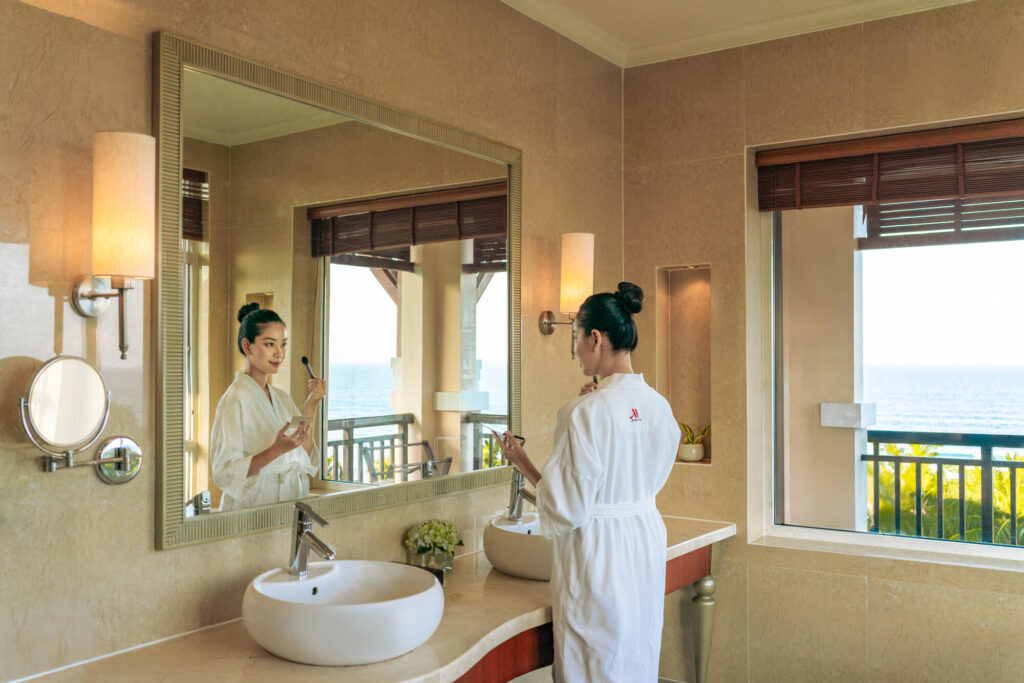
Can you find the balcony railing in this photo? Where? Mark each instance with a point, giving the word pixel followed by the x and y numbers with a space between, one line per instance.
pixel 485 452
pixel 984 497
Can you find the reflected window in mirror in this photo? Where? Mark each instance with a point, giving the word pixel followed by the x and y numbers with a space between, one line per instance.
pixel 195 195
pixel 416 332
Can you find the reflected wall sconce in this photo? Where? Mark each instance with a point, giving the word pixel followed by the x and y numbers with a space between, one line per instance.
pixel 577 283
pixel 123 224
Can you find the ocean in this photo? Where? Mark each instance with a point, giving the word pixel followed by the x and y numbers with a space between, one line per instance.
pixel 975 399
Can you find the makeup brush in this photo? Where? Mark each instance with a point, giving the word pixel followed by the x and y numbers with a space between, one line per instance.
pixel 305 361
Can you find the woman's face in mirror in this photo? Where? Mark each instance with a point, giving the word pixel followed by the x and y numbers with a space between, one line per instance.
pixel 267 351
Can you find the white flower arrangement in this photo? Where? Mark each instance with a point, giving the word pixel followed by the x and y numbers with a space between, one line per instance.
pixel 434 534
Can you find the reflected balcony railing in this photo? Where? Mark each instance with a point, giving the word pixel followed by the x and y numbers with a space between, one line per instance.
pixel 367 457
pixel 486 453
pixel 947 486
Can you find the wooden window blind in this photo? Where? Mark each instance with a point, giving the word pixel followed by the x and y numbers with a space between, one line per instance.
pixel 384 225
pixel 194 191
pixel 985 160
pixel 490 255
pixel 943 221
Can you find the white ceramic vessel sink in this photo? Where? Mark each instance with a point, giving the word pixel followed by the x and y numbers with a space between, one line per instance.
pixel 344 612
pixel 519 549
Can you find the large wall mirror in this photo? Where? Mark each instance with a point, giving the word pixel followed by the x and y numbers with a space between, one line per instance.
pixel 389 247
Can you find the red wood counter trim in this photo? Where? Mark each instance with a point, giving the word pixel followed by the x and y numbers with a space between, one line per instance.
pixel 521 654
pixel 534 649
pixel 686 569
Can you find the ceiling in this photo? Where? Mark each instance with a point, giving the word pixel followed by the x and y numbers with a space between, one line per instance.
pixel 228 113
pixel 634 32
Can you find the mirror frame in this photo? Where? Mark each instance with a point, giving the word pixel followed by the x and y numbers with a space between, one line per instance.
pixel 171 54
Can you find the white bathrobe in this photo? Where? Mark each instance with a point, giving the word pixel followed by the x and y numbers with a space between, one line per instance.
pixel 245 424
pixel 613 451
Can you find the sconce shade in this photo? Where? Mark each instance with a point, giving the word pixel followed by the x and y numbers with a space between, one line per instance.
pixel 577 271
pixel 123 205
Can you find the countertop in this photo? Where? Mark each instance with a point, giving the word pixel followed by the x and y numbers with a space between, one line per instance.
pixel 483 608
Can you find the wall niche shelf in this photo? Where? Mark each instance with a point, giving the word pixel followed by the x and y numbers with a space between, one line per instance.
pixel 684 345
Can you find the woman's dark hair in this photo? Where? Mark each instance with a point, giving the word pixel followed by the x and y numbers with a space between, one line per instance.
pixel 612 313
pixel 253 319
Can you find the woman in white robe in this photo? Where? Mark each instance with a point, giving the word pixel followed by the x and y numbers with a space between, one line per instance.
pixel 255 456
pixel 613 451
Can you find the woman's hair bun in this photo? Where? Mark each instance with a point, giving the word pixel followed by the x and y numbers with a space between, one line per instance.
pixel 631 296
pixel 246 310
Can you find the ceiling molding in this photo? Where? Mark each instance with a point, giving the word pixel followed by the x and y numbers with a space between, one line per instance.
pixel 584 28
pixel 575 28
pixel 239 136
pixel 784 27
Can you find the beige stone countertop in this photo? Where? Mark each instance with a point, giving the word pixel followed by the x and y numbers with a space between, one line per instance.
pixel 483 608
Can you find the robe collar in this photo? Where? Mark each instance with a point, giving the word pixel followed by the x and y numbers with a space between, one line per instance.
pixel 250 384
pixel 624 379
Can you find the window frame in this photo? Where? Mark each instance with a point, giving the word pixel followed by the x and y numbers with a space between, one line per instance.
pixel 762 526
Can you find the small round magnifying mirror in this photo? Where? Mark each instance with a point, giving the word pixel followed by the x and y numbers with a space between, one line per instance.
pixel 65 408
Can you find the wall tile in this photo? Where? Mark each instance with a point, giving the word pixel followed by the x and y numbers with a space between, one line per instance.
pixel 943 65
pixel 804 87
pixel 684 110
pixel 922 633
pixel 807 626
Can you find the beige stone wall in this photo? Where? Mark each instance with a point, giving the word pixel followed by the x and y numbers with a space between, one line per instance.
pixel 70 69
pixel 789 615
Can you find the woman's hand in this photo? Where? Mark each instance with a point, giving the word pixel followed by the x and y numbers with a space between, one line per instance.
pixel 587 388
pixel 285 441
pixel 316 389
pixel 512 448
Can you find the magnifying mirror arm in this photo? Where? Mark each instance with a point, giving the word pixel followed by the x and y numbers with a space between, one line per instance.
pixel 56 460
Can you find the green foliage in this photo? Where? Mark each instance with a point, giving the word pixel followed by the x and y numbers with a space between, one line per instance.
pixel 886 514
pixel 491 456
pixel 690 436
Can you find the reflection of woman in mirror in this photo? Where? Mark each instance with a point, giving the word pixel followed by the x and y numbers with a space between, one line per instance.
pixel 613 450
pixel 257 456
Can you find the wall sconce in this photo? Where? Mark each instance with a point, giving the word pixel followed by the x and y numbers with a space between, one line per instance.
pixel 123 223
pixel 577 282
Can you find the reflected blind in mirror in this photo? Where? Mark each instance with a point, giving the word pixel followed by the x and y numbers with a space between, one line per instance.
pixel 384 225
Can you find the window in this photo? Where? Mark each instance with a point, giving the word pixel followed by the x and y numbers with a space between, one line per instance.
pixel 900 373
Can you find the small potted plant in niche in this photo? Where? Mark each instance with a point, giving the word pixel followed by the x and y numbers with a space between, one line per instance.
pixel 432 544
pixel 691 449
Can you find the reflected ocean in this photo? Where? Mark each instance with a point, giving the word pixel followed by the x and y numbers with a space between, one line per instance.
pixel 359 390
pixel 978 400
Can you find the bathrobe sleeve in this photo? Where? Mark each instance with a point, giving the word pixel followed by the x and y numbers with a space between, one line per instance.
pixel 229 462
pixel 572 476
pixel 314 455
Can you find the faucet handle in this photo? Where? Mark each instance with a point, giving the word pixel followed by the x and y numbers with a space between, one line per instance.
pixel 304 513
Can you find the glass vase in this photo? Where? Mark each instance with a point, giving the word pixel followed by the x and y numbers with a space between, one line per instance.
pixel 433 559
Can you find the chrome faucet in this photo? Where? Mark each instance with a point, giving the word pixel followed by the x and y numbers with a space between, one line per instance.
pixel 303 539
pixel 518 494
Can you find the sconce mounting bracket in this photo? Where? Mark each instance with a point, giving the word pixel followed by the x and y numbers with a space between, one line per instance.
pixel 84 296
pixel 547 322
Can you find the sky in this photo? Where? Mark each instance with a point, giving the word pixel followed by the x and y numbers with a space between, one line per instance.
pixel 370 336
pixel 944 305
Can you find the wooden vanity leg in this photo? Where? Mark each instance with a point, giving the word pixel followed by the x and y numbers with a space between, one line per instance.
pixel 703 616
